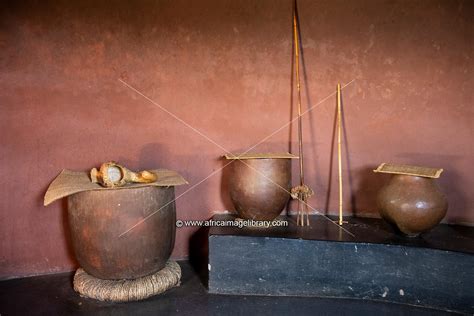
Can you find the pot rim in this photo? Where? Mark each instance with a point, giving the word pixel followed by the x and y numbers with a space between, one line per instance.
pixel 275 155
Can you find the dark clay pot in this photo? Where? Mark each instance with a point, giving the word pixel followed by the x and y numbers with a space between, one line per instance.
pixel 413 204
pixel 253 194
pixel 98 218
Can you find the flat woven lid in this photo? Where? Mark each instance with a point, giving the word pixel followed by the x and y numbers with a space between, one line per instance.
pixel 261 156
pixel 409 170
pixel 69 182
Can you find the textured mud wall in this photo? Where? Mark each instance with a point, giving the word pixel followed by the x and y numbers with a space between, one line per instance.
pixel 224 67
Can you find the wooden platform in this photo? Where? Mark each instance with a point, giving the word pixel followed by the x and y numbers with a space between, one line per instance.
pixel 368 261
pixel 54 295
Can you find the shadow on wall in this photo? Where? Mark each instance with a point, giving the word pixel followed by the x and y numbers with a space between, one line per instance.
pixel 151 156
pixel 67 233
pixel 156 155
pixel 66 229
pixel 364 199
pixel 225 180
pixel 307 109
pixel 457 201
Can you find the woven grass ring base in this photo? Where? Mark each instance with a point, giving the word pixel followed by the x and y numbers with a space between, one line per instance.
pixel 127 290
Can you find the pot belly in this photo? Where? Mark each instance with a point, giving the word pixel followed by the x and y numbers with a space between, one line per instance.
pixel 99 218
pixel 259 187
pixel 413 204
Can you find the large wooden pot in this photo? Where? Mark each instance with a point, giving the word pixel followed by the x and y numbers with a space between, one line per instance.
pixel 99 218
pixel 259 187
pixel 413 204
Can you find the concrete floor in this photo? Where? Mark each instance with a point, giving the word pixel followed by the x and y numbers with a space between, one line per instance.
pixel 54 295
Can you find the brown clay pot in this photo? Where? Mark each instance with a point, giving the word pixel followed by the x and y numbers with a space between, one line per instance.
pixel 260 195
pixel 413 204
pixel 98 218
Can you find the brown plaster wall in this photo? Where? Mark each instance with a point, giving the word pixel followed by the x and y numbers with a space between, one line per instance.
pixel 225 68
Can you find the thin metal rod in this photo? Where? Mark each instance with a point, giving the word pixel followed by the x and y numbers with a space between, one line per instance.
pixel 298 87
pixel 302 208
pixel 339 128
